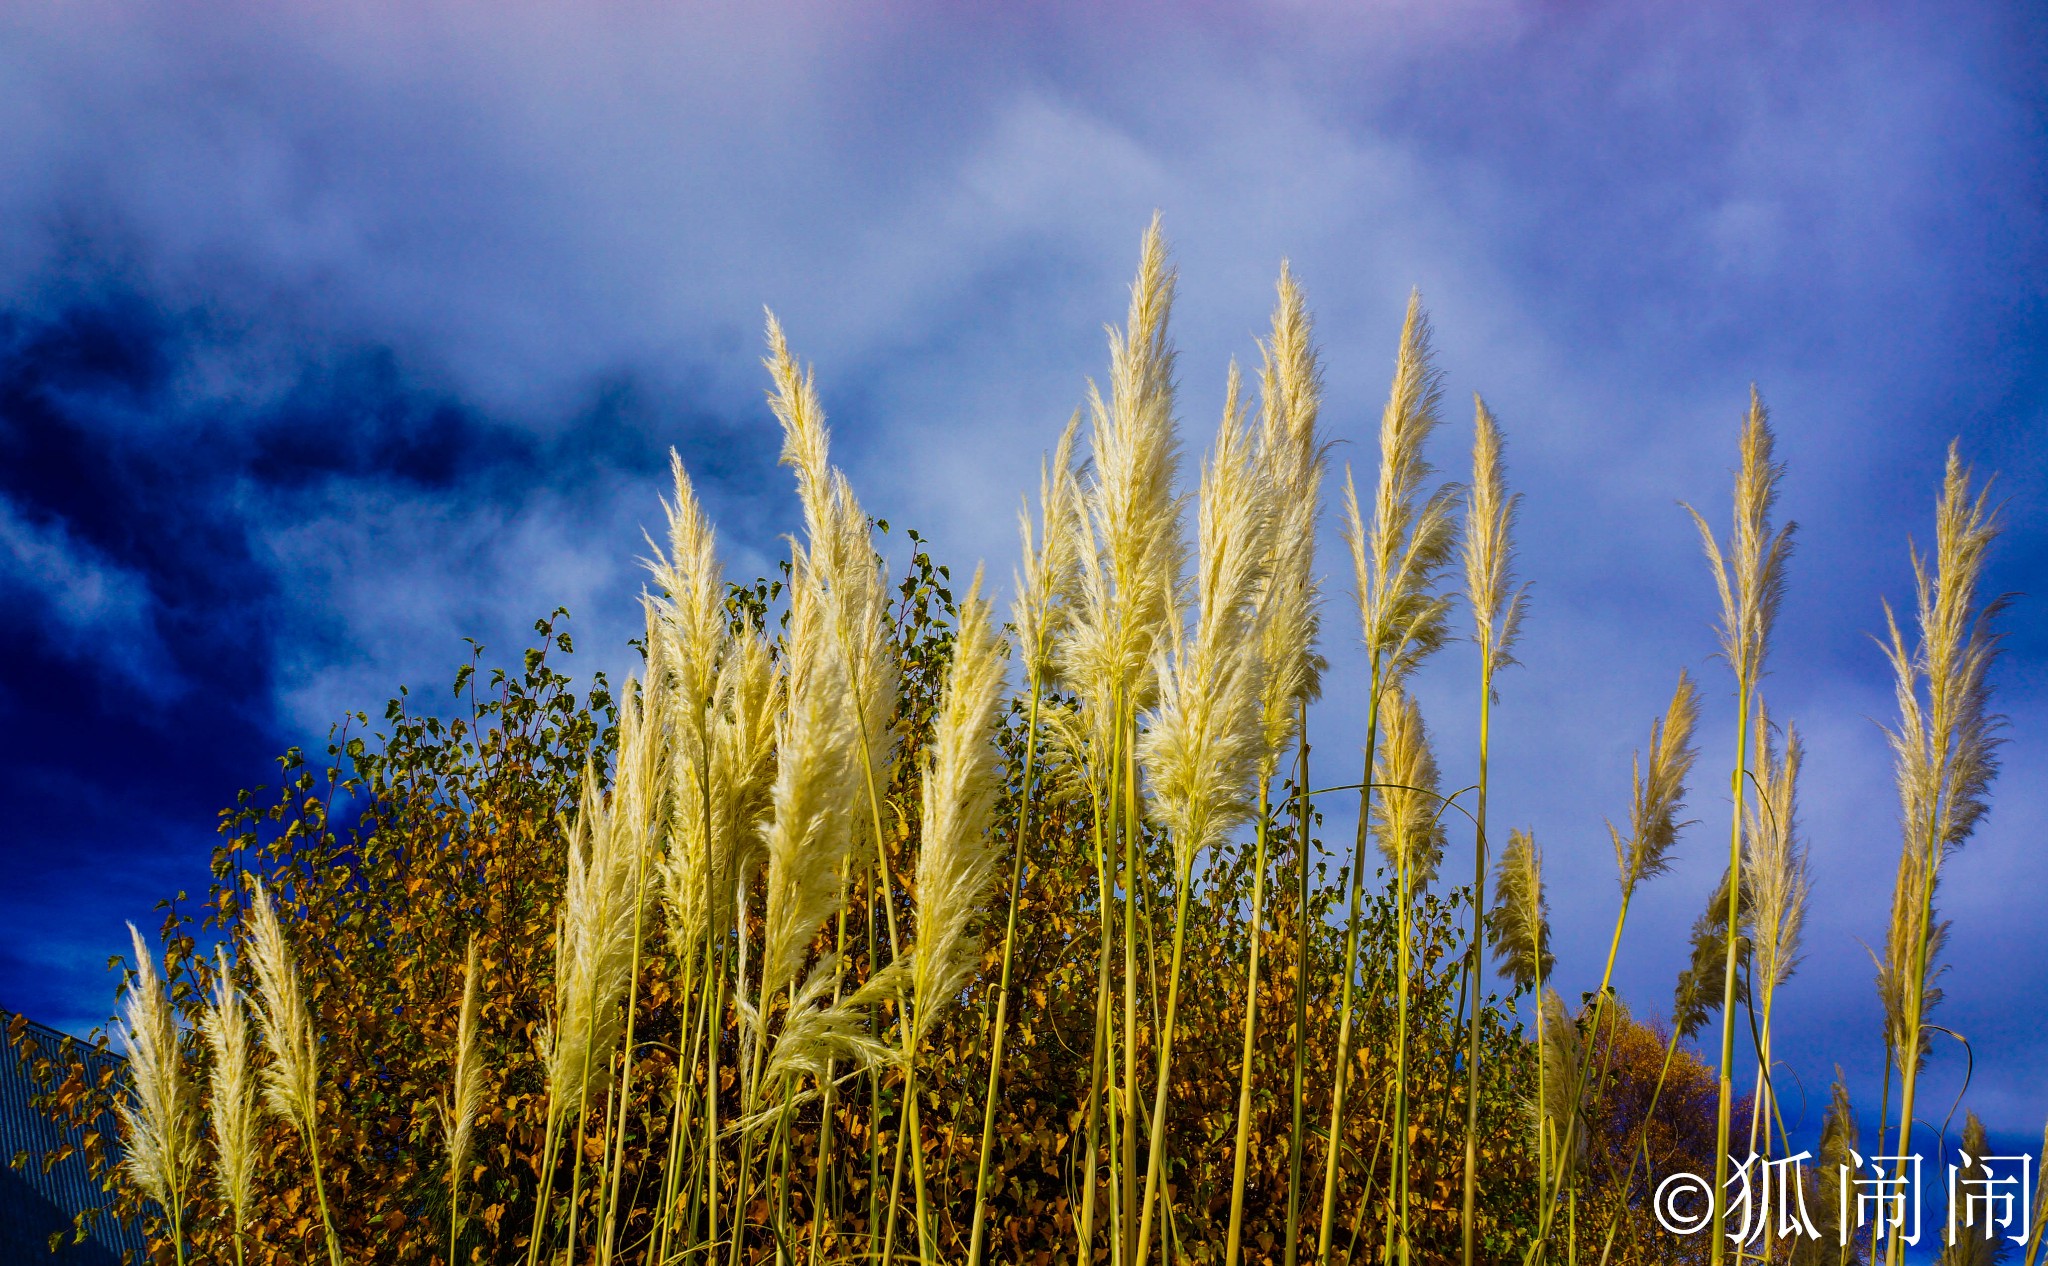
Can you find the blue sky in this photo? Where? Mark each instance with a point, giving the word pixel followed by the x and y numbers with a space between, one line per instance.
pixel 328 338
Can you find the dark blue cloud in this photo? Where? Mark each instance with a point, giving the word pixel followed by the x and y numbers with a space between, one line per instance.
pixel 143 690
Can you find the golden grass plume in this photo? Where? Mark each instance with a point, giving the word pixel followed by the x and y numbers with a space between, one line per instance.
pixel 1659 793
pixel 159 1116
pixel 231 1094
pixel 1203 744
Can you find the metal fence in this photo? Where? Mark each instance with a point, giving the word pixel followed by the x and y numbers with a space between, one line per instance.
pixel 34 1204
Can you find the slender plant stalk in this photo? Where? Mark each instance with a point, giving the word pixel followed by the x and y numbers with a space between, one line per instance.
pixel 1727 1088
pixel 1355 894
pixel 1402 621
pixel 1944 748
pixel 232 1090
pixel 688 1028
pixel 1132 836
pixel 874 1081
pixel 1641 1147
pixel 609 1201
pixel 827 1084
pixel 1405 874
pixel 1466 1212
pixel 1297 1135
pixel 1496 618
pixel 1750 598
pixel 1157 1147
pixel 1040 612
pixel 1256 935
pixel 979 1234
pixel 1105 828
pixel 1657 799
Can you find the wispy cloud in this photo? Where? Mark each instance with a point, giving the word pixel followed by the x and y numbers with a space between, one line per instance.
pixel 88 607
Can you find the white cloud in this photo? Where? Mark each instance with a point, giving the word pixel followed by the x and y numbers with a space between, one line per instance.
pixel 97 611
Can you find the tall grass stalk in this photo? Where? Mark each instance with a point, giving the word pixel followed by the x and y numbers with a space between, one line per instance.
pixel 1043 591
pixel 1408 824
pixel 1639 1152
pixel 291 1081
pixel 1658 798
pixel 232 1096
pixel 645 802
pixel 1750 576
pixel 598 928
pixel 1496 619
pixel 954 866
pixel 1944 750
pixel 845 575
pixel 1297 1135
pixel 1102 832
pixel 1206 741
pixel 1403 621
pixel 687 885
pixel 160 1114
pixel 1127 593
pixel 1291 456
pixel 810 835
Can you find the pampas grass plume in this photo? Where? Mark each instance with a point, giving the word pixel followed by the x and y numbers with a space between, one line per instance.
pixel 1291 457
pixel 1407 816
pixel 232 1094
pixel 466 1085
pixel 1697 997
pixel 1398 557
pixel 159 1117
pixel 692 604
pixel 811 831
pixel 607 884
pixel 1945 745
pixel 838 559
pixel 1489 546
pixel 1132 555
pixel 1775 869
pixel 1750 574
pixel 1659 792
pixel 291 1081
pixel 1051 555
pixel 1519 923
pixel 955 866
pixel 1562 1054
pixel 1203 745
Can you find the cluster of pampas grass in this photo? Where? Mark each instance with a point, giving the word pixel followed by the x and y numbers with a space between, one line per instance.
pixel 769 777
